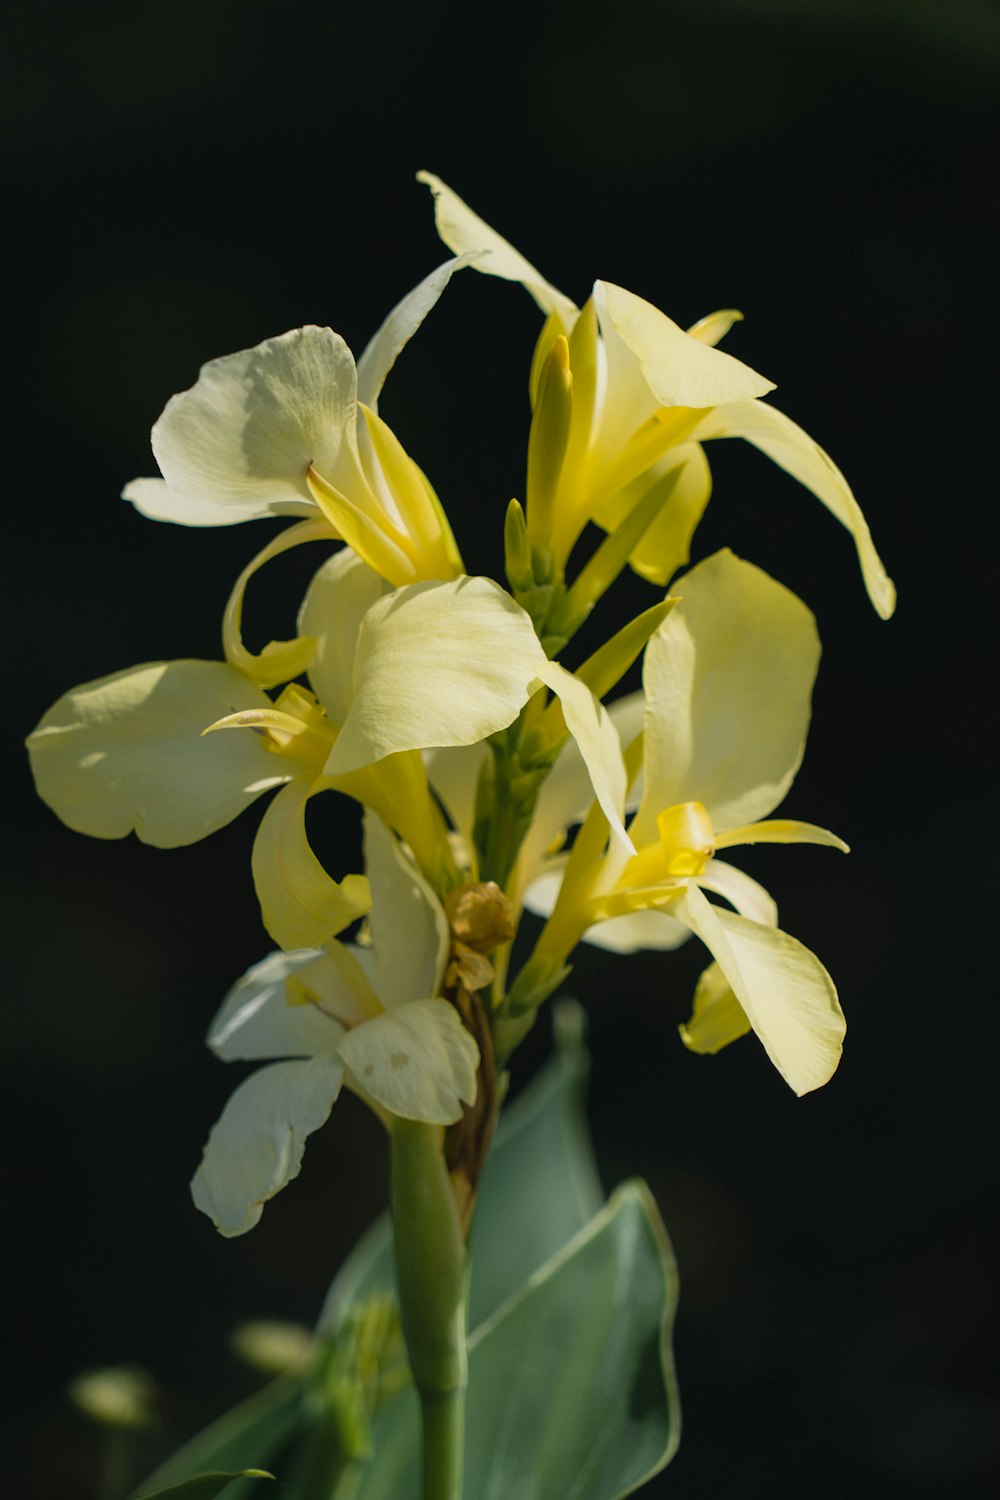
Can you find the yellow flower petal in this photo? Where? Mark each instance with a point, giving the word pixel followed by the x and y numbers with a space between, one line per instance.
pixel 717 1018
pixel 780 831
pixel 301 905
pixel 789 998
pixel 728 678
pixel 463 231
pixel 679 370
pixel 795 451
pixel 127 752
pixel 279 661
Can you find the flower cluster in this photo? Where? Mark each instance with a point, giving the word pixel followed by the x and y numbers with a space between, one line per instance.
pixel 492 778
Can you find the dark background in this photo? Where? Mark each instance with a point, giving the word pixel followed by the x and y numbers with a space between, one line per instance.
pixel 184 180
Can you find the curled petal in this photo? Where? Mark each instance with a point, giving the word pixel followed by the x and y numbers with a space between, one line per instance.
pixel 127 752
pixel 279 661
pixel 713 328
pixel 256 1147
pixel 789 998
pixel 418 1061
pixel 793 450
pixel 301 905
pixel 239 443
pixel 717 1017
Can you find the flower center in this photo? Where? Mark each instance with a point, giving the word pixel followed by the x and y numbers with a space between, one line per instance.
pixel 685 845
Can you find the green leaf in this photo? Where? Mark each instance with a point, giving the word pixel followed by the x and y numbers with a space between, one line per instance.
pixel 571 1383
pixel 203 1486
pixel 257 1429
pixel 541 1177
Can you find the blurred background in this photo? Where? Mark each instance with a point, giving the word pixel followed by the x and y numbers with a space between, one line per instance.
pixel 184 180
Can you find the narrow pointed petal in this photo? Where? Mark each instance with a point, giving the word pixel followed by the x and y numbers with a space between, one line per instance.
pixel 337 600
pixel 717 1017
pixel 301 905
pixel 728 678
pixel 279 661
pixel 238 444
pixel 127 752
pixel 257 1021
pixel 713 328
pixel 679 370
pixel 589 722
pixel 410 936
pixel 386 345
pixel 744 894
pixel 788 996
pixel 780 831
pixel 256 1147
pixel 793 450
pixel 464 232
pixel 437 664
pixel 418 1061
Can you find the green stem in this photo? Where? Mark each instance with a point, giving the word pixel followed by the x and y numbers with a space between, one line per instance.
pixel 431 1273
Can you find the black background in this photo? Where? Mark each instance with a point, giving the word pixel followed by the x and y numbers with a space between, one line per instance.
pixel 184 180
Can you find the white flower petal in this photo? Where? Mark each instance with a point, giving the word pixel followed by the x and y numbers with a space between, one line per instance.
pixel 463 231
pixel 238 444
pixel 437 664
pixel 256 1021
pixel 788 996
pixel 454 771
pixel 384 348
pixel 256 1147
pixel 728 678
pixel 410 937
pixel 127 752
pixel 418 1061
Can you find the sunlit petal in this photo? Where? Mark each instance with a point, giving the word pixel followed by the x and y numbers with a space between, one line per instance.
pixel 238 444
pixel 795 451
pixel 744 894
pixel 437 664
pixel 256 1147
pixel 463 231
pixel 680 370
pixel 126 752
pixel 279 661
pixel 728 678
pixel 589 722
pixel 780 831
pixel 418 1061
pixel 337 600
pixel 391 339
pixel 788 996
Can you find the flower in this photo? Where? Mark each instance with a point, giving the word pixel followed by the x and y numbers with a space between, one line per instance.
pixel 291 428
pixel 727 681
pixel 366 1018
pixel 392 673
pixel 625 398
